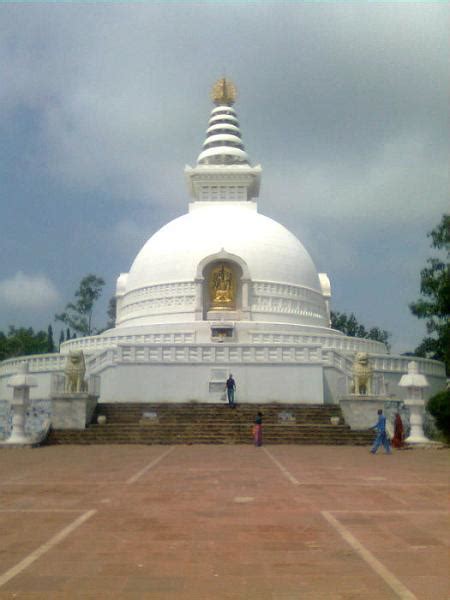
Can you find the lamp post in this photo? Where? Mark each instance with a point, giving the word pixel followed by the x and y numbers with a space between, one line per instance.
pixel 21 384
pixel 415 384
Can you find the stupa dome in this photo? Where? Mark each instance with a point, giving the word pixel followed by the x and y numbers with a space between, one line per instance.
pixel 269 250
pixel 163 282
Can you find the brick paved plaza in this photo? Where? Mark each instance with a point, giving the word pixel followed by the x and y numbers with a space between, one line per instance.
pixel 223 522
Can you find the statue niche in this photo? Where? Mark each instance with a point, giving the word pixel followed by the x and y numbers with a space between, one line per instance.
pixel 222 288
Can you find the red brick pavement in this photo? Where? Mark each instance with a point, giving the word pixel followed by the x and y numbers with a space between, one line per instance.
pixel 223 522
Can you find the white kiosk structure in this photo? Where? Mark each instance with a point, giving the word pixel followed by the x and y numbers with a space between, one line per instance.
pixel 415 383
pixel 21 384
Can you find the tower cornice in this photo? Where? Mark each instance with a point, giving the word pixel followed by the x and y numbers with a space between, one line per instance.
pixel 223 182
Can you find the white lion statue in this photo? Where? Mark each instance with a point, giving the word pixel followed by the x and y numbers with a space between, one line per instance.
pixel 74 371
pixel 362 374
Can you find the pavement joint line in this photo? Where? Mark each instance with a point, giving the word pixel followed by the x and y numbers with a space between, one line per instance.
pixel 53 541
pixel 395 512
pixel 386 484
pixel 389 578
pixel 43 510
pixel 150 465
pixel 60 483
pixel 285 472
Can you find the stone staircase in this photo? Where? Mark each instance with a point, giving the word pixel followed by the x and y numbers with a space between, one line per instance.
pixel 197 423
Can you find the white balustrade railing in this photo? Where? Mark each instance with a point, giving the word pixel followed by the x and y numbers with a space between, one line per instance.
pixel 336 342
pixel 314 351
pixel 38 363
pixel 100 342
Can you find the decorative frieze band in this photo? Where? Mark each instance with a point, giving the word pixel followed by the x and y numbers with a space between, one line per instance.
pixel 156 299
pixel 344 343
pixel 286 299
pixel 158 305
pixel 283 290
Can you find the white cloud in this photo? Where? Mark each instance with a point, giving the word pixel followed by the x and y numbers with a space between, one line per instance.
pixel 32 292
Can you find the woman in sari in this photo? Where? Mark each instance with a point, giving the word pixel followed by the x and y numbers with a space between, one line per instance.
pixel 257 430
pixel 397 440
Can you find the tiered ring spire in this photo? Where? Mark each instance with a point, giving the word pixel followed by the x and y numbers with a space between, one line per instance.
pixel 223 144
pixel 223 172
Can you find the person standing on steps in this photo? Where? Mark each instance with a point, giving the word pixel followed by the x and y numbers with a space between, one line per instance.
pixel 230 386
pixel 381 438
pixel 257 430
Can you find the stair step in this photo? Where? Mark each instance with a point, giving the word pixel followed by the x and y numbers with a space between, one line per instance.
pixel 201 423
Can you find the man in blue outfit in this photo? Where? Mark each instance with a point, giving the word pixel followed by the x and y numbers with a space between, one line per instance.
pixel 230 387
pixel 381 438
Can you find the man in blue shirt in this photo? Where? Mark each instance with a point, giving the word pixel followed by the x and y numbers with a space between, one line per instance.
pixel 230 386
pixel 381 438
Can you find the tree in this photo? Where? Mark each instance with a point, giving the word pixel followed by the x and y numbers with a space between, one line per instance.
pixel 434 307
pixel 78 314
pixel 22 342
pixel 112 309
pixel 439 407
pixel 350 326
pixel 50 341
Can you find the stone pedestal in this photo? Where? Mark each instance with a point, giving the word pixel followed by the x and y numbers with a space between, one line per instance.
pixel 416 412
pixel 72 410
pixel 360 411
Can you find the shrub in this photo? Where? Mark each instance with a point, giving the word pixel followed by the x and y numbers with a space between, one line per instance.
pixel 439 407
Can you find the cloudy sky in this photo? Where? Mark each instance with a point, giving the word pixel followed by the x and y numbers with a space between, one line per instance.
pixel 101 106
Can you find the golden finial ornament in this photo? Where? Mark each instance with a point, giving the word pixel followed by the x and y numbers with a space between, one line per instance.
pixel 223 92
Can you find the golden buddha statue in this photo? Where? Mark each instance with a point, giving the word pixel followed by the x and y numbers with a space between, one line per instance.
pixel 222 287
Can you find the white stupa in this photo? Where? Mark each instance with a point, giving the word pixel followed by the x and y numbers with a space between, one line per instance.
pixel 220 289
pixel 273 278
pixel 224 289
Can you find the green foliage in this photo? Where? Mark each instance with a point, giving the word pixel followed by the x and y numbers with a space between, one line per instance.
pixel 50 341
pixel 78 314
pixel 111 312
pixel 434 306
pixel 349 325
pixel 439 407
pixel 22 342
pixel 112 308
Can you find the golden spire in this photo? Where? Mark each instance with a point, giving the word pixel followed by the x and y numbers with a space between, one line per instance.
pixel 223 92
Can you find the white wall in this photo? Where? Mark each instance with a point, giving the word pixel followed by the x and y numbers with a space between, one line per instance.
pixel 181 383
